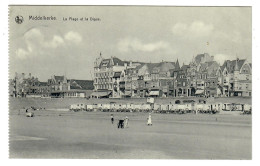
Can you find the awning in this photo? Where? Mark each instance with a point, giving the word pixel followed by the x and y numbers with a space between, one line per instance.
pixel 101 94
pixel 198 92
pixel 154 93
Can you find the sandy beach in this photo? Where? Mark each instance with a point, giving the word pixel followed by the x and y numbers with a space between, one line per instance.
pixel 64 134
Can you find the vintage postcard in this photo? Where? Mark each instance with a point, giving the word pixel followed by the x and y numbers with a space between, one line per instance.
pixel 130 82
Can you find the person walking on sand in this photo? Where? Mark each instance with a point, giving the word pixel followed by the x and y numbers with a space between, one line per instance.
pixel 126 122
pixel 112 118
pixel 149 120
pixel 120 123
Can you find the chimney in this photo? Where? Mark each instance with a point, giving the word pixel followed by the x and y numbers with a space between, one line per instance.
pixel 30 75
pixel 23 75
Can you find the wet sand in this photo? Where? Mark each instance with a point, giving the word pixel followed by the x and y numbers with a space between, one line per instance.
pixel 61 134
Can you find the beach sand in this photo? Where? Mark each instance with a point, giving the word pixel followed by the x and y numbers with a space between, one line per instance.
pixel 64 134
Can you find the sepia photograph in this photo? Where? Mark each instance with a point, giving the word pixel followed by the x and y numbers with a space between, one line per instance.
pixel 130 82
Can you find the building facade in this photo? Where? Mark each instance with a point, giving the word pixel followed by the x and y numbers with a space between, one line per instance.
pixel 55 87
pixel 109 80
pixel 27 86
pixel 202 77
pixel 237 78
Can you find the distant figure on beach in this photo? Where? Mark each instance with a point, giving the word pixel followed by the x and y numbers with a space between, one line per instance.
pixel 112 118
pixel 149 120
pixel 120 123
pixel 126 122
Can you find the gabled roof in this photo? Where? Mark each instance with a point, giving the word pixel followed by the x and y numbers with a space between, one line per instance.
pixel 185 67
pixel 203 67
pixel 166 66
pixel 231 65
pixel 140 66
pixel 81 84
pixel 161 67
pixel 151 66
pixel 118 61
pixel 213 68
pixel 210 68
pixel 113 61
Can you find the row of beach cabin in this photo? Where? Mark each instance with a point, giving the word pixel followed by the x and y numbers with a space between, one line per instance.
pixel 163 108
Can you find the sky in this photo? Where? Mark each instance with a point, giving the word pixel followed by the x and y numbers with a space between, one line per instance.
pixel 139 33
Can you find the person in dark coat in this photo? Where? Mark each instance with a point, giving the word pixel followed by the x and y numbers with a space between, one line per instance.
pixel 120 124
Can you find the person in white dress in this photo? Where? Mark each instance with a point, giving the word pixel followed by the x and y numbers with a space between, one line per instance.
pixel 149 120
pixel 126 122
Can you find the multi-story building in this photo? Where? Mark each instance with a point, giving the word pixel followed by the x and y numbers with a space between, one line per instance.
pixel 154 79
pixel 116 78
pixel 23 85
pixel 40 89
pixel 107 74
pixel 202 77
pixel 182 86
pixel 57 86
pixel 61 87
pixel 237 78
pixel 212 73
pixel 59 83
pixel 78 88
